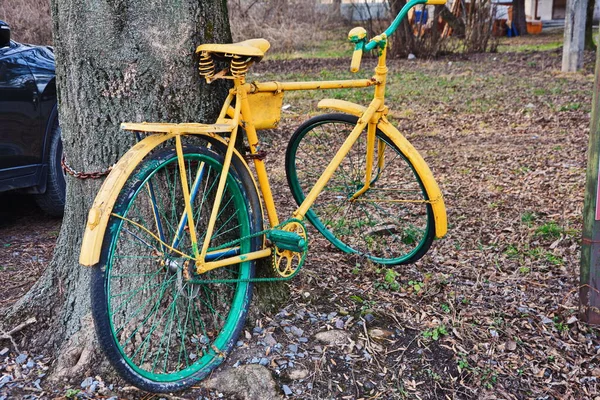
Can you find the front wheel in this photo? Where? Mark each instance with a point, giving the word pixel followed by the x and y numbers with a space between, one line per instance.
pixel 391 223
pixel 162 326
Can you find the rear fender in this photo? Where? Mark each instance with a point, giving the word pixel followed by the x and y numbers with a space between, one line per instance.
pixel 99 214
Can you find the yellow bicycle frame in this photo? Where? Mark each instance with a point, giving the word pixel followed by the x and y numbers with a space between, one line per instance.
pixel 372 117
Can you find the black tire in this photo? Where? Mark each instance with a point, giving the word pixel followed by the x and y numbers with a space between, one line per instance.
pixel 391 223
pixel 52 201
pixel 138 282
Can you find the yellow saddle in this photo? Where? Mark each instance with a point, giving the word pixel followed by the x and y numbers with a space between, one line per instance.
pixel 255 48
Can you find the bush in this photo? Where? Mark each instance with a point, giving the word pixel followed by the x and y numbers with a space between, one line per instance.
pixel 29 20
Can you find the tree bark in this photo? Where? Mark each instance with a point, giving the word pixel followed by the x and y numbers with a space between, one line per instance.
pixel 518 17
pixel 589 30
pixel 574 38
pixel 117 60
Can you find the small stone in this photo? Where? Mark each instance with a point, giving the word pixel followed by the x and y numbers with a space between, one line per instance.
pixel 257 330
pixel 306 295
pixel 30 364
pixel 572 320
pixel 293 348
pixel 511 345
pixel 193 356
pixel 296 331
pixel 369 318
pixel 494 333
pixel 87 382
pixel 303 340
pixel 3 351
pixel 411 56
pixel 237 364
pixel 264 361
pixel 92 388
pixel 21 359
pixel 239 343
pixel 339 324
pixel 5 379
pixel 254 360
pixel 269 340
pixel 334 337
pixel 368 386
pixel 113 398
pixel 286 390
pixel 301 355
pixel 530 105
pixel 378 333
pixel 318 349
pixel 332 315
pixel 546 320
pixel 297 373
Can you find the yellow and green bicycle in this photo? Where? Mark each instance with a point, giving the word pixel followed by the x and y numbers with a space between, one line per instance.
pixel 176 228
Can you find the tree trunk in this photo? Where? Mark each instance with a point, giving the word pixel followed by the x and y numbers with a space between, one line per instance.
pixel 518 17
pixel 574 38
pixel 589 30
pixel 403 41
pixel 117 60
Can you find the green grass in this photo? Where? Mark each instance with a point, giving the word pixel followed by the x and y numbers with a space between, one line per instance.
pixel 503 48
pixel 549 230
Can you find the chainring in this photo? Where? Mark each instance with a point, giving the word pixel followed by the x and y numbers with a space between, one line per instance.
pixel 287 262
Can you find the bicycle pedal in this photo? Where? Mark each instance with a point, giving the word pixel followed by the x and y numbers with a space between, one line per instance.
pixel 287 240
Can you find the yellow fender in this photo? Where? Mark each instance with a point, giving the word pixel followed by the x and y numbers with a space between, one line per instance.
pixel 413 156
pixel 99 214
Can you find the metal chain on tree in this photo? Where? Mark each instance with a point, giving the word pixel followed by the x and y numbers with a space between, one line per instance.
pixel 83 175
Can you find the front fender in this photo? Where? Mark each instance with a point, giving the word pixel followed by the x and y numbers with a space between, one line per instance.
pixel 422 169
pixel 343 106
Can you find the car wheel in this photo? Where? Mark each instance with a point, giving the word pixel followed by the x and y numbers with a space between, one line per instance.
pixel 53 200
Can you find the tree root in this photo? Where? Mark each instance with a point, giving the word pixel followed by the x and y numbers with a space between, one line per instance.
pixel 75 356
pixel 8 335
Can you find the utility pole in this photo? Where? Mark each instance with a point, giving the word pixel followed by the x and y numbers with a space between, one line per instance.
pixel 574 39
pixel 589 292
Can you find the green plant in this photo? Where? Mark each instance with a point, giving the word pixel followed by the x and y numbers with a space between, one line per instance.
pixel 524 270
pixel 445 308
pixel 549 230
pixel 555 260
pixel 435 333
pixel 416 286
pixel 559 325
pixel 72 393
pixel 527 218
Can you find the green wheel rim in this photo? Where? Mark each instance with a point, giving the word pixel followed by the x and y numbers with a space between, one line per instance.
pixel 308 135
pixel 200 346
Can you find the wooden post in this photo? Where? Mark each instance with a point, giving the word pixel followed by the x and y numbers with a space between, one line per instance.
pixel 574 38
pixel 589 292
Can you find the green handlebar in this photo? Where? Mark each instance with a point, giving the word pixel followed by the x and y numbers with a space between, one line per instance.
pixel 392 28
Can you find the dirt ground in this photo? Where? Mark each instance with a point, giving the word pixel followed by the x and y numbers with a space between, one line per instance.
pixel 491 310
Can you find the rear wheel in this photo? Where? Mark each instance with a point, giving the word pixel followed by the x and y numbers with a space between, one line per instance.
pixel 391 223
pixel 162 326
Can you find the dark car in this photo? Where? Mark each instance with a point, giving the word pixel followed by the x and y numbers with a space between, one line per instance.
pixel 30 141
